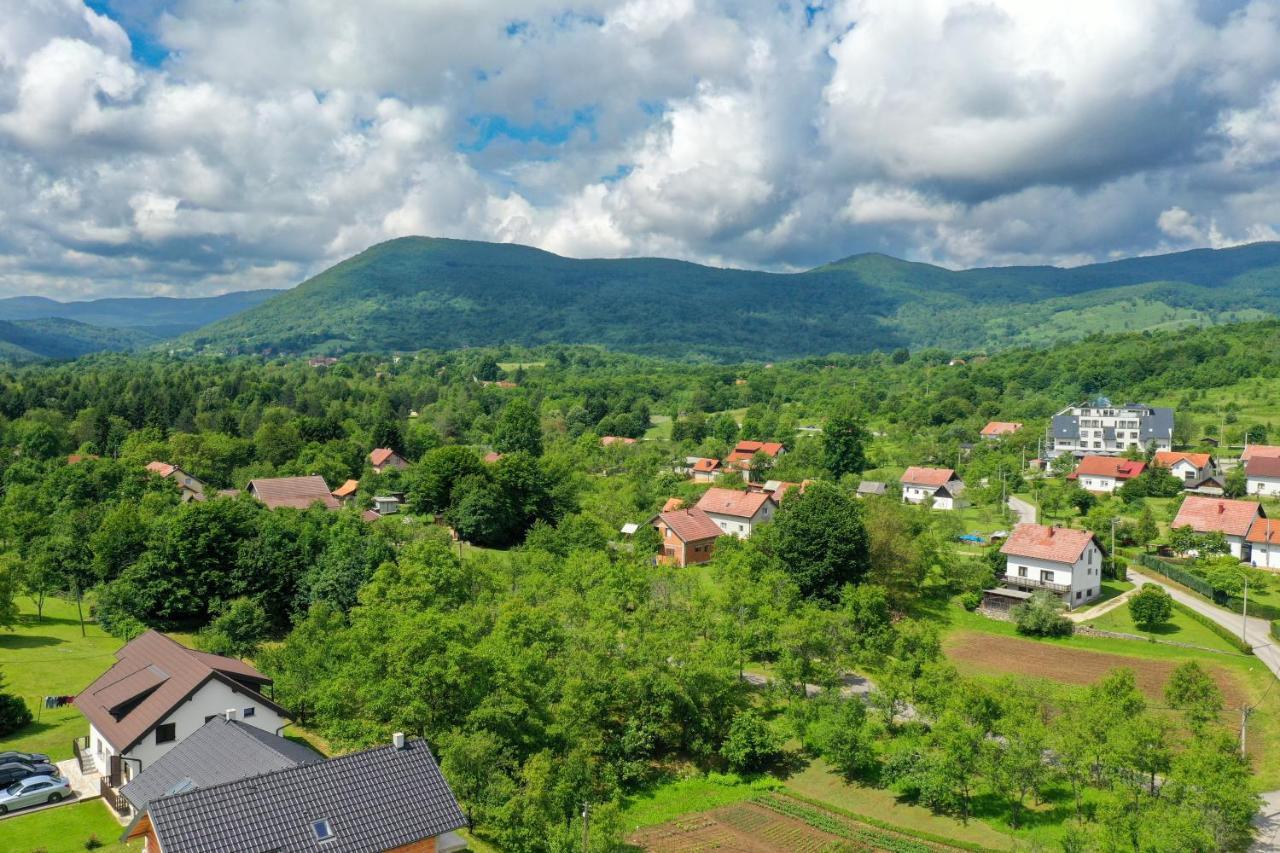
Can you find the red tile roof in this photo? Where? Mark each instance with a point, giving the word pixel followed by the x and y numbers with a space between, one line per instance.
pixel 672 503
pixel 1209 515
pixel 1169 458
pixel 296 492
pixel 164 469
pixel 706 466
pixel 744 450
pixel 155 674
pixel 607 440
pixel 1263 466
pixel 369 515
pixel 492 456
pixel 1264 531
pixel 1256 450
pixel 690 525
pixel 1038 542
pixel 784 488
pixel 732 502
pixel 1001 428
pixel 347 488
pixel 1108 466
pixel 382 456
pixel 917 475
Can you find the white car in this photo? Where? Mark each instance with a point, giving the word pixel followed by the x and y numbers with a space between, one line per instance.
pixel 33 791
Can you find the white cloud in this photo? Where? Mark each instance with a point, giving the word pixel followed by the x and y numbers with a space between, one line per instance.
pixel 278 138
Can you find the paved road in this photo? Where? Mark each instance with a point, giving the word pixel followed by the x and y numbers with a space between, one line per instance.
pixel 1268 823
pixel 1026 512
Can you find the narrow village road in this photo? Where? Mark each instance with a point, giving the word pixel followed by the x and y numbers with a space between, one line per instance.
pixel 1026 512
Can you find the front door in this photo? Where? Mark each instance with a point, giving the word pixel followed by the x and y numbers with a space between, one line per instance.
pixel 113 774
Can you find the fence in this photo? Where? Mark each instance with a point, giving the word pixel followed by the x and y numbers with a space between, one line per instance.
pixel 1200 585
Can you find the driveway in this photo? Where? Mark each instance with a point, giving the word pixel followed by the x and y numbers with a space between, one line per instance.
pixel 1026 512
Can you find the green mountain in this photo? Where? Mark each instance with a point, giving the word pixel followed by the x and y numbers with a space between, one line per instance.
pixel 419 292
pixel 56 338
pixel 163 316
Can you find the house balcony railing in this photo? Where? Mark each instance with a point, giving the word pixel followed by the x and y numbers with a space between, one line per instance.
pixel 113 797
pixel 1036 583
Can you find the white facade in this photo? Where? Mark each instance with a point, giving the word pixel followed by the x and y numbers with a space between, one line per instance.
pixel 1188 473
pixel 1266 486
pixel 1265 556
pixel 214 697
pixel 1076 583
pixel 1099 483
pixel 1103 429
pixel 943 497
pixel 736 525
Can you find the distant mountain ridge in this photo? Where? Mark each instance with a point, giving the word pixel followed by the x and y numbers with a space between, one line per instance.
pixel 422 292
pixel 36 327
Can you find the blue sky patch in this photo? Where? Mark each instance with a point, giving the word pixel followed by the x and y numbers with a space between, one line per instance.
pixel 492 126
pixel 145 47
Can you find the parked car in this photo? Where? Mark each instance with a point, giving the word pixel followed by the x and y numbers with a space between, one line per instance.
pixel 24 757
pixel 14 771
pixel 33 791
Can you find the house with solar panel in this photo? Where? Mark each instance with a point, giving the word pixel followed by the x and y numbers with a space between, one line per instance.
pixel 156 695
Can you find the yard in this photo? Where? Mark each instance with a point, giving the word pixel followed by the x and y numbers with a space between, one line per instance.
pixel 1181 628
pixel 64 829
pixel 49 657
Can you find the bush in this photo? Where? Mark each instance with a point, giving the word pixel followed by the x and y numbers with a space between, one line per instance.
pixel 92 843
pixel 1150 607
pixel 751 745
pixel 238 630
pixel 971 599
pixel 1042 616
pixel 14 714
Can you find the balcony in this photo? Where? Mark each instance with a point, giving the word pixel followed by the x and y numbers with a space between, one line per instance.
pixel 1035 583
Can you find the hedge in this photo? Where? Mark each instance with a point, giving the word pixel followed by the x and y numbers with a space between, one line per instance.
pixel 1203 587
pixel 1275 629
pixel 1229 636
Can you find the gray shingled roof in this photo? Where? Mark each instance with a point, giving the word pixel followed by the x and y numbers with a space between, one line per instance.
pixel 374 800
pixel 219 751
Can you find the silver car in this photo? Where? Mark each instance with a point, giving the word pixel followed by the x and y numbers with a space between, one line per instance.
pixel 33 791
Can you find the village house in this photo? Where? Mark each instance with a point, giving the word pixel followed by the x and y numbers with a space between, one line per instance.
pixel 939 485
pixel 688 535
pixel 701 469
pixel 610 440
pixel 1253 451
pixel 1105 473
pixel 347 491
pixel 294 492
pixel 389 798
pixel 735 512
pixel 744 451
pixel 1103 429
pixel 1232 519
pixel 871 488
pixel 190 488
pixel 1064 561
pixel 157 694
pixel 1262 476
pixel 1262 545
pixel 384 458
pixel 1191 468
pixel 999 429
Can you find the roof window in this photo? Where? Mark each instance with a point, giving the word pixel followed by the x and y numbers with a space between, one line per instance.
pixel 323 830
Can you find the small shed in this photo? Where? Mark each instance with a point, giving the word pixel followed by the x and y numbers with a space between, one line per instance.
pixel 1001 600
pixel 871 487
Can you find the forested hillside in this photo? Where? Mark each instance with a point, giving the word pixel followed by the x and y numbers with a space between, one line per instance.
pixel 551 663
pixel 421 292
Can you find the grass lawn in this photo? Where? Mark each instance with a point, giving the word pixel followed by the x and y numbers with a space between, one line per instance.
pixel 819 782
pixel 50 658
pixel 985 519
pixel 64 830
pixel 659 428
pixel 1180 628
pixel 686 796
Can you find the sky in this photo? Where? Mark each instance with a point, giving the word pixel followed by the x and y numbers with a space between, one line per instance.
pixel 193 147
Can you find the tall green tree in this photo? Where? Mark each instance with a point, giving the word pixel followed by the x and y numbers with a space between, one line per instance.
pixel 820 538
pixel 844 440
pixel 518 429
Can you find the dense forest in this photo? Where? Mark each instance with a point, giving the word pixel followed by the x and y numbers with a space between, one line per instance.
pixel 544 655
pixel 416 291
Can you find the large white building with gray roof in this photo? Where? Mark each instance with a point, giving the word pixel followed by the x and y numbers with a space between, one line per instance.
pixel 1101 428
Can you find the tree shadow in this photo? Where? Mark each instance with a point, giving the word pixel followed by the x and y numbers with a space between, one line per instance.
pixel 28 641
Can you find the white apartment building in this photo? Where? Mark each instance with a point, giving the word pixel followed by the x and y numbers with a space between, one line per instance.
pixel 1100 428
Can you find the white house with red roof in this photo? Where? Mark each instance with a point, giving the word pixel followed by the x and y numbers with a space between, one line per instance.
pixel 702 469
pixel 737 513
pixel 1262 545
pixel 1252 451
pixel 1262 476
pixel 1233 519
pixel 1190 468
pixel 1105 473
pixel 191 488
pixel 1065 561
pixel 940 485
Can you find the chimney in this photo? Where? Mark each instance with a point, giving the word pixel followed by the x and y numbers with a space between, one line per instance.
pixel 1221 507
pixel 230 714
pixel 397 740
pixel 1052 530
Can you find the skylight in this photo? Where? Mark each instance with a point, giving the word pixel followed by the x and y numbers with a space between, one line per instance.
pixel 323 830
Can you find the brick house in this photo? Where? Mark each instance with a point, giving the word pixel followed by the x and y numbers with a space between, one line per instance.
pixel 688 535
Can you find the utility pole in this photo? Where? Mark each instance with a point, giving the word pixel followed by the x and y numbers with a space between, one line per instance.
pixel 1244 612
pixel 1245 711
pixel 586 827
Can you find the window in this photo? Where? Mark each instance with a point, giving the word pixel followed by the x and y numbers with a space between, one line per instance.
pixel 1077 595
pixel 166 733
pixel 1046 576
pixel 249 712
pixel 1022 571
pixel 323 830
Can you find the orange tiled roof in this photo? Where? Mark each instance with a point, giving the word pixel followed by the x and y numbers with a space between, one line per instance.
pixel 690 524
pixel 1108 466
pixel 347 488
pixel 1001 428
pixel 1169 458
pixel 918 475
pixel 380 456
pixel 1263 466
pixel 1210 515
pixel 164 469
pixel 1255 450
pixel 732 502
pixel 1264 531
pixel 672 503
pixel 1038 542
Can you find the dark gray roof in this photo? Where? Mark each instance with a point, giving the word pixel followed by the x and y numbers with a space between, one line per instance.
pixel 1157 424
pixel 219 751
pixel 871 487
pixel 1066 426
pixel 378 799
